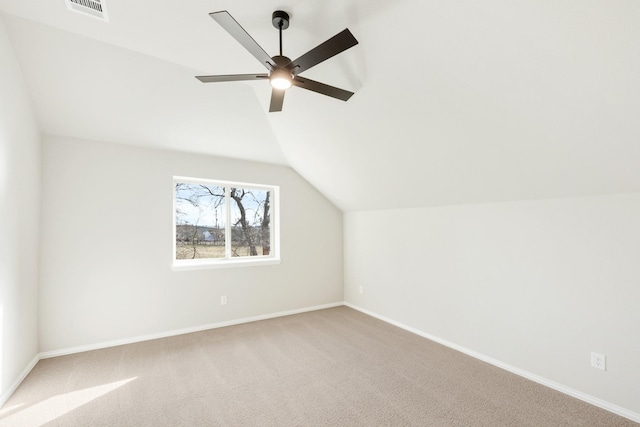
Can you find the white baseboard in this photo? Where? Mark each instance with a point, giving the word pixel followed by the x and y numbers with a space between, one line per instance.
pixel 8 392
pixel 114 343
pixel 521 372
pixel 63 352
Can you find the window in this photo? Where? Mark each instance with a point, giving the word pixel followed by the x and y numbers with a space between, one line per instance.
pixel 219 223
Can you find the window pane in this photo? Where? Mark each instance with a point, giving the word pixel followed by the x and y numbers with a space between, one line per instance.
pixel 250 222
pixel 200 221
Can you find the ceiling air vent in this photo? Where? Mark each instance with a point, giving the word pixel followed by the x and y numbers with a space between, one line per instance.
pixel 95 8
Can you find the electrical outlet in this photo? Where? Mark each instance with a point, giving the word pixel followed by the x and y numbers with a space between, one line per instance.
pixel 223 300
pixel 598 361
pixel 361 290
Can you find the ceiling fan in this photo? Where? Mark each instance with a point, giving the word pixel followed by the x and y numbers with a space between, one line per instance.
pixel 282 71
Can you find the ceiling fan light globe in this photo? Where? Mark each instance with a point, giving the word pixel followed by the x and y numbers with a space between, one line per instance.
pixel 280 79
pixel 280 83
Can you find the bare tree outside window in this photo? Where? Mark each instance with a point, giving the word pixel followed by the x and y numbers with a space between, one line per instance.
pixel 207 215
pixel 250 218
pixel 200 221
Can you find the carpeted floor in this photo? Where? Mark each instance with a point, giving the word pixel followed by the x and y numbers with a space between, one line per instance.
pixel 334 367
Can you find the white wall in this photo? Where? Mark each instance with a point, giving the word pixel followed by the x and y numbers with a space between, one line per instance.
pixel 107 246
pixel 19 209
pixel 537 285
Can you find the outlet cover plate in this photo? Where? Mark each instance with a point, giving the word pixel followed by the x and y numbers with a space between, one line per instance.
pixel 598 361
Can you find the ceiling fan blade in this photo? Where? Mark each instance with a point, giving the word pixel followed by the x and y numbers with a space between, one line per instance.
pixel 277 98
pixel 322 88
pixel 232 78
pixel 336 44
pixel 237 32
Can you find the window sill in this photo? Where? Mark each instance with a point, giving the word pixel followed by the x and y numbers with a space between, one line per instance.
pixel 206 264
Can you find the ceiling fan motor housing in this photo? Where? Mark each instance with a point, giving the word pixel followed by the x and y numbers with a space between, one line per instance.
pixel 280 71
pixel 281 61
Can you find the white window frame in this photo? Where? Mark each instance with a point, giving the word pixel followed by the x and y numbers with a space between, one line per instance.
pixel 246 261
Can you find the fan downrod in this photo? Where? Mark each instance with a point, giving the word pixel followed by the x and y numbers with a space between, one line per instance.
pixel 278 17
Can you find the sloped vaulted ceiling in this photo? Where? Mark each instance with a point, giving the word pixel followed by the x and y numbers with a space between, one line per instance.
pixel 456 101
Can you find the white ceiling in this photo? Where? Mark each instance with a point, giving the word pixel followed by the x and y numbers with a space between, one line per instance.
pixel 456 101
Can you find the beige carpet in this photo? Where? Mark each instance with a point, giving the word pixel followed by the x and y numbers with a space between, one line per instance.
pixel 334 367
